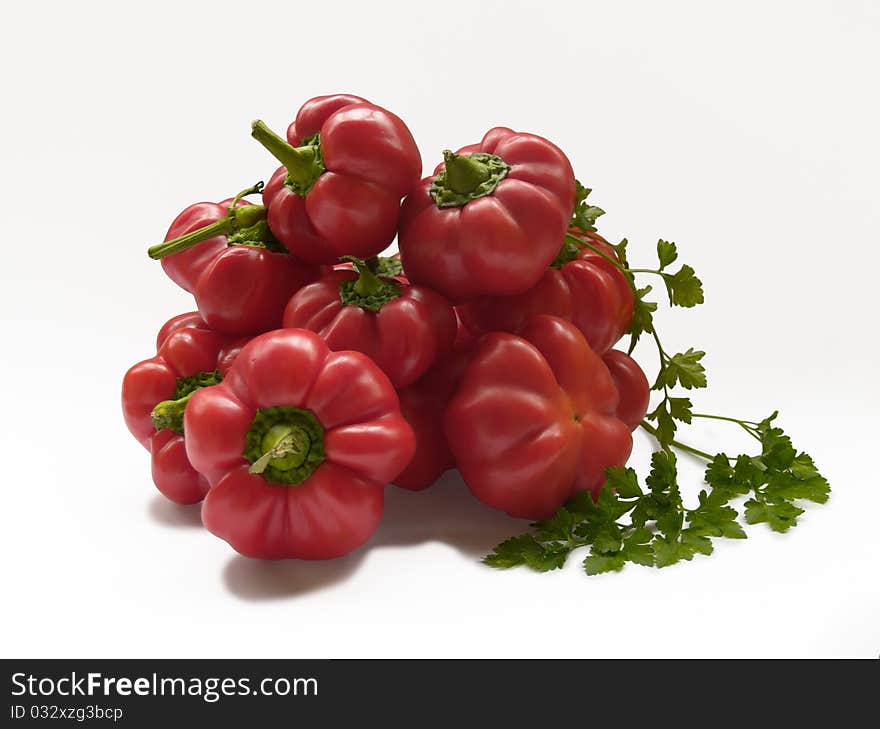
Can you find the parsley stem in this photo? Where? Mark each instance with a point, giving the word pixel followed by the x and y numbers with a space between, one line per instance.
pixel 677 444
pixel 614 262
pixel 746 425
pixel 723 417
pixel 659 348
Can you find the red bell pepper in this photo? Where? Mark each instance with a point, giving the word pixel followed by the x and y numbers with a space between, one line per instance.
pixel 490 218
pixel 190 319
pixel 345 167
pixel 465 335
pixel 631 384
pixel 580 286
pixel 155 392
pixel 533 420
pixel 423 404
pixel 402 328
pixel 226 257
pixel 298 443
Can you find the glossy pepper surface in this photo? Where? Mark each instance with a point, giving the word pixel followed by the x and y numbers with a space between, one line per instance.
pixel 423 404
pixel 224 254
pixel 632 386
pixel 189 355
pixel 298 443
pixel 534 419
pixel 402 328
pixel 489 221
pixel 580 285
pixel 346 164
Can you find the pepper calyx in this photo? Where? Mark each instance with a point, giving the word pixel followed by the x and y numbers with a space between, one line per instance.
pixel 370 290
pixel 257 236
pixel 466 177
pixel 284 445
pixel 169 413
pixel 304 164
pixel 242 221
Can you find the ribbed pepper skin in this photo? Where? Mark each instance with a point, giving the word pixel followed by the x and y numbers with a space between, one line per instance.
pixel 365 444
pixel 185 346
pixel 371 161
pixel 499 244
pixel 589 291
pixel 534 419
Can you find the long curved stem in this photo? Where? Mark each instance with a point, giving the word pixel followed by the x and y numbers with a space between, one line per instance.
pixel 236 219
pixel 302 163
pixel 722 417
pixel 614 262
pixel 223 226
pixel 746 425
pixel 678 444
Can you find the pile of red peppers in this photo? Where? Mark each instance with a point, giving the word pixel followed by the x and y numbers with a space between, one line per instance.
pixel 315 372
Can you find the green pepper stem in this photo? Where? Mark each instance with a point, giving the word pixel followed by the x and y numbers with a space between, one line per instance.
pixel 368 283
pixel 236 219
pixel 169 413
pixel 295 443
pixel 284 444
pixel 220 227
pixel 464 173
pixel 302 163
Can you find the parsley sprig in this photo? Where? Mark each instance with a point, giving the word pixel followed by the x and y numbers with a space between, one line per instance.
pixel 648 523
pixel 585 214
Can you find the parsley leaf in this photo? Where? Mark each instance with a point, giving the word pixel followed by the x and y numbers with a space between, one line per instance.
pixel 680 409
pixel 558 527
pixel 585 215
pixel 650 525
pixel 643 317
pixel 596 564
pixel 527 550
pixel 666 253
pixel 625 481
pixel 511 552
pixel 776 449
pixel 785 486
pixel 723 477
pixel 669 550
pixel 620 252
pixel 714 518
pixel 666 426
pixel 684 369
pixel 660 530
pixel 637 547
pixel 779 517
pixel 683 287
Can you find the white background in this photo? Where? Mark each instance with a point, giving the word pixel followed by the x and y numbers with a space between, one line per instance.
pixel 747 132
